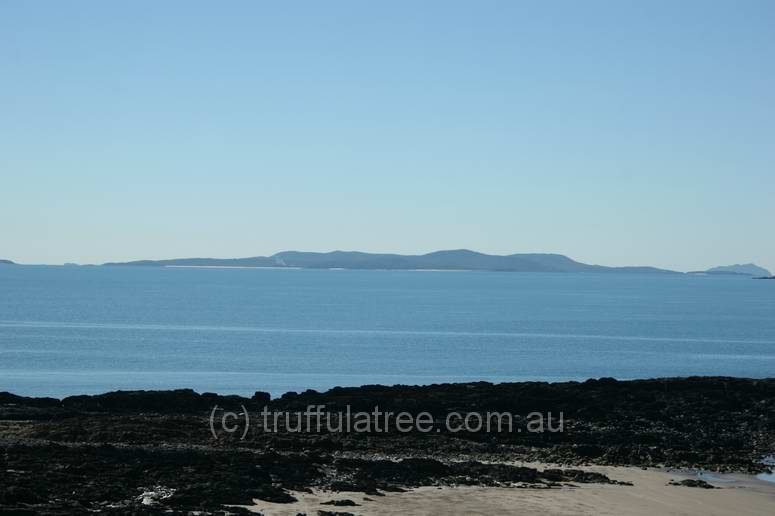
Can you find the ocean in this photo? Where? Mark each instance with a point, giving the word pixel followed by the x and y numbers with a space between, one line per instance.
pixel 73 330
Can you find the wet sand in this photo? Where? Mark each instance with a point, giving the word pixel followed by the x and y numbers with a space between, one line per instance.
pixel 650 495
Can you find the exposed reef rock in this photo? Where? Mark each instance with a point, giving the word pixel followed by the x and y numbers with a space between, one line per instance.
pixel 146 452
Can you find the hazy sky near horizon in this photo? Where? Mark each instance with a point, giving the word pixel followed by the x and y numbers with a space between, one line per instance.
pixel 616 132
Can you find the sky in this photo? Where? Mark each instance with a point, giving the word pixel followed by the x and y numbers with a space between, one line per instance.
pixel 615 132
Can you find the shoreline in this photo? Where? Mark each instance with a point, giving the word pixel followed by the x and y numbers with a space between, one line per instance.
pixel 649 494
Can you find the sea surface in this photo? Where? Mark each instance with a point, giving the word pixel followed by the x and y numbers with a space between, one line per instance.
pixel 72 330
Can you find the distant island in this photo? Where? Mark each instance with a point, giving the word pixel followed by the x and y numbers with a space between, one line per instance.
pixel 745 269
pixel 461 259
pixel 450 260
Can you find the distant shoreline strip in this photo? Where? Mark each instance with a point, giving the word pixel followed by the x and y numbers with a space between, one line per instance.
pixel 313 268
pixel 226 267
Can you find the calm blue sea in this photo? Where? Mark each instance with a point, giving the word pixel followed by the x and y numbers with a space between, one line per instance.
pixel 68 330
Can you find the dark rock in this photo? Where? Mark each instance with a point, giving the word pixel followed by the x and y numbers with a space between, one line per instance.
pixel 14 495
pixel 692 482
pixel 91 454
pixel 261 398
pixel 6 398
pixel 341 503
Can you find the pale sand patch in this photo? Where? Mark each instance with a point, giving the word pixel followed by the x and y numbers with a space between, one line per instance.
pixel 649 496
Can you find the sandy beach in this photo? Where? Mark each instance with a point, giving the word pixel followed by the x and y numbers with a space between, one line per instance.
pixel 650 495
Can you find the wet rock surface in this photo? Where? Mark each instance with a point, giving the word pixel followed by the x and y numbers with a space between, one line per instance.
pixel 692 482
pixel 341 503
pixel 151 452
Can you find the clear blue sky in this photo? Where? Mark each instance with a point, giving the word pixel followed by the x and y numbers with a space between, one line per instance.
pixel 618 132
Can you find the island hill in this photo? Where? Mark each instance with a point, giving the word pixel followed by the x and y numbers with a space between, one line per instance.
pixel 440 260
pixel 739 269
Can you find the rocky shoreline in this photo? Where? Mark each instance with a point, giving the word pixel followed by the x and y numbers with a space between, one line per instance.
pixel 153 452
